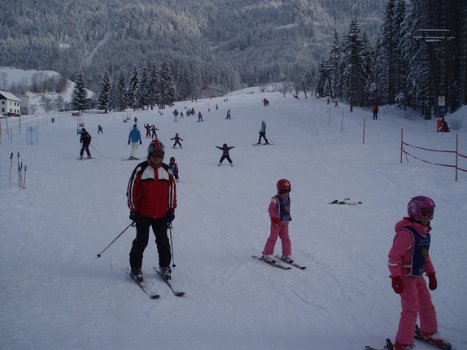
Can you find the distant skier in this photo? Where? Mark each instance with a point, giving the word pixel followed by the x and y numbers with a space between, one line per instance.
pixel 99 129
pixel 408 260
pixel 177 141
pixel 147 127
pixel 85 140
pixel 262 133
pixel 154 131
pixel 225 153
pixel 174 167
pixel 375 111
pixel 134 138
pixel 228 115
pixel 279 213
pixel 200 117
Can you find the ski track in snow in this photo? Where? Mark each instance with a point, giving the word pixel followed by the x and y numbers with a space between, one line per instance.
pixel 56 294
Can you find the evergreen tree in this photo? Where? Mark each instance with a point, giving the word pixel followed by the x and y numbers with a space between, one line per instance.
pixel 132 89
pixel 165 87
pixel 355 66
pixel 153 96
pixel 104 94
pixel 120 101
pixel 80 94
pixel 143 90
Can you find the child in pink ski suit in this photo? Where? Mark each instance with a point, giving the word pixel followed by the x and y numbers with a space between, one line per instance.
pixel 279 212
pixel 408 261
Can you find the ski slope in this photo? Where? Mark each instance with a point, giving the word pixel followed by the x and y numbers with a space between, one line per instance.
pixel 55 293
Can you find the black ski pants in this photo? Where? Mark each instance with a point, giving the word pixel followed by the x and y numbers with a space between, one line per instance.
pixel 85 147
pixel 262 135
pixel 225 157
pixel 159 227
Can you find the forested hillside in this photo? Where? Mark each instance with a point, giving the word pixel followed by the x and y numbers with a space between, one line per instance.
pixel 220 41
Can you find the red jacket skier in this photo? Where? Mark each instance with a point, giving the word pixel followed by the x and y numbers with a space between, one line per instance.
pixel 152 201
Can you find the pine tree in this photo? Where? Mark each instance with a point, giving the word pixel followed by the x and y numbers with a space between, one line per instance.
pixel 120 100
pixel 80 94
pixel 104 94
pixel 142 91
pixel 132 89
pixel 153 96
pixel 355 66
pixel 166 89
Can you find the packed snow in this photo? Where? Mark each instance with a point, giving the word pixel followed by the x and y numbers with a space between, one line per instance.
pixel 56 293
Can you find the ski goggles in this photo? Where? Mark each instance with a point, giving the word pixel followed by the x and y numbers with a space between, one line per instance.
pixel 427 212
pixel 284 191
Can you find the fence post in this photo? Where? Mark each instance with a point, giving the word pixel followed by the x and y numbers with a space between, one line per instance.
pixel 342 122
pixel 364 129
pixel 402 142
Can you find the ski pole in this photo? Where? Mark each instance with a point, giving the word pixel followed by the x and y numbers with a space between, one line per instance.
pixel 169 226
pixel 121 233
pixel 94 148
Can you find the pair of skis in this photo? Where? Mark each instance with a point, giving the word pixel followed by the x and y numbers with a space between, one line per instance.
pixel 152 294
pixel 282 264
pixel 389 346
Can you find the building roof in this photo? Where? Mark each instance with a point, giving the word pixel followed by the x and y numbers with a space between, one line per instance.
pixel 8 96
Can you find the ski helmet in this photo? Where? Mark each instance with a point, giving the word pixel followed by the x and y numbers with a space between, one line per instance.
pixel 172 159
pixel 283 185
pixel 156 146
pixel 420 206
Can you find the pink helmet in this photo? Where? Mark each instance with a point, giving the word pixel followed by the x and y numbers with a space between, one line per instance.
pixel 420 206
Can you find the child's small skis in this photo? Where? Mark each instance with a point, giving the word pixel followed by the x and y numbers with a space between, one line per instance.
pixel 388 346
pixel 294 264
pixel 275 263
pixel 445 345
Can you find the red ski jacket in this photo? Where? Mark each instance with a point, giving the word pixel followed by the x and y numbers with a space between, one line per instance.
pixel 151 191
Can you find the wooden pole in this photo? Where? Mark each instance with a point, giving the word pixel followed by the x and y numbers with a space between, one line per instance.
pixel 342 122
pixel 364 129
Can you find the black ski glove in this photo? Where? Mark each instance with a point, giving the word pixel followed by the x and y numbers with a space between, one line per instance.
pixel 170 216
pixel 134 216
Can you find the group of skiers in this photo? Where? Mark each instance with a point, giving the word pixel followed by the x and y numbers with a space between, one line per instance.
pixel 152 200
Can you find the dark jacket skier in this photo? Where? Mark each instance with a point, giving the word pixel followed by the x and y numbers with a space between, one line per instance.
pixel 225 153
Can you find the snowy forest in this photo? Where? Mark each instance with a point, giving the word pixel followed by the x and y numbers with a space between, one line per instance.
pixel 419 55
pixel 141 55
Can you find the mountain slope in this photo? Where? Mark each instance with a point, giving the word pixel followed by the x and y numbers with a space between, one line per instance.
pixel 260 38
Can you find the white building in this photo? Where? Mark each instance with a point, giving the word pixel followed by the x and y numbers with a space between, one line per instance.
pixel 10 105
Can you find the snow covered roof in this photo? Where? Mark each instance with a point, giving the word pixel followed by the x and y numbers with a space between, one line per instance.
pixel 8 96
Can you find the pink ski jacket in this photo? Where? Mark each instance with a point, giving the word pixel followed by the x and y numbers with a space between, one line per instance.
pixel 400 255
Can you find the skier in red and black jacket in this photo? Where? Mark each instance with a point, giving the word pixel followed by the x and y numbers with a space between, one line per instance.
pixel 152 201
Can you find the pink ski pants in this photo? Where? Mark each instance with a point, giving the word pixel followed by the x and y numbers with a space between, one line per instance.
pixel 281 231
pixel 415 300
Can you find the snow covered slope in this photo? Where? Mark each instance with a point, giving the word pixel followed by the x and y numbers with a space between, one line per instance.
pixel 55 294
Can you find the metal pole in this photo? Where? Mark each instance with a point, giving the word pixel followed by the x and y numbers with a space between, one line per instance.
pixel 121 233
pixel 169 226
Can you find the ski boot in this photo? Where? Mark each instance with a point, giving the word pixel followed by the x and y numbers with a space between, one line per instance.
pixel 166 273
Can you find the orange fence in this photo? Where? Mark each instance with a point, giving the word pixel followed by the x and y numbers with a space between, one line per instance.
pixel 456 152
